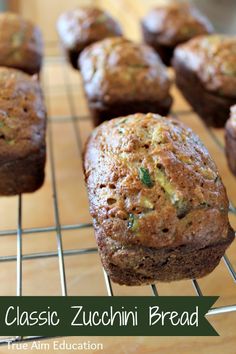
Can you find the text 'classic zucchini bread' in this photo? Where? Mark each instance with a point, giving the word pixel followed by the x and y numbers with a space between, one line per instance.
pixel 82 26
pixel 22 133
pixel 206 74
pixel 122 77
pixel 170 24
pixel 159 207
pixel 230 140
pixel 21 44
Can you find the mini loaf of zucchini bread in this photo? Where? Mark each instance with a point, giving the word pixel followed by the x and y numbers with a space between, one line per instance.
pixel 122 77
pixel 167 25
pixel 159 207
pixel 230 140
pixel 21 44
pixel 205 70
pixel 22 133
pixel 82 26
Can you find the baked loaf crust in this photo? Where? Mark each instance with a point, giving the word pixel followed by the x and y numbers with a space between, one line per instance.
pixel 168 25
pixel 22 133
pixel 122 77
pixel 206 74
pixel 159 207
pixel 230 140
pixel 84 25
pixel 21 44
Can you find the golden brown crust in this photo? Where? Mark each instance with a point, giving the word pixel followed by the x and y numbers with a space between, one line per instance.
pixel 119 70
pixel 84 25
pixel 137 265
pixel 211 107
pixel 22 132
pixel 159 208
pixel 213 59
pixel 152 182
pixel 21 44
pixel 175 23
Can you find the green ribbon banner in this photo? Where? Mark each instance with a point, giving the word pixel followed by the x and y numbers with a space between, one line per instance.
pixel 106 316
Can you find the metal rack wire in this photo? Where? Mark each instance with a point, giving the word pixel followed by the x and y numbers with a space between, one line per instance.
pixel 58 228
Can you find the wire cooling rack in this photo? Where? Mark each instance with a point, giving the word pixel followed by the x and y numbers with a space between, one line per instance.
pixel 58 227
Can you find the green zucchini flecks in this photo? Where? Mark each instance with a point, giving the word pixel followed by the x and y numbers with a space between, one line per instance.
pixel 145 177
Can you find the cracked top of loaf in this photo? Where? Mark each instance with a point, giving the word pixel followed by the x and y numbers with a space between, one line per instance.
pixel 21 44
pixel 152 182
pixel 84 25
pixel 22 115
pixel 117 70
pixel 213 59
pixel 174 23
